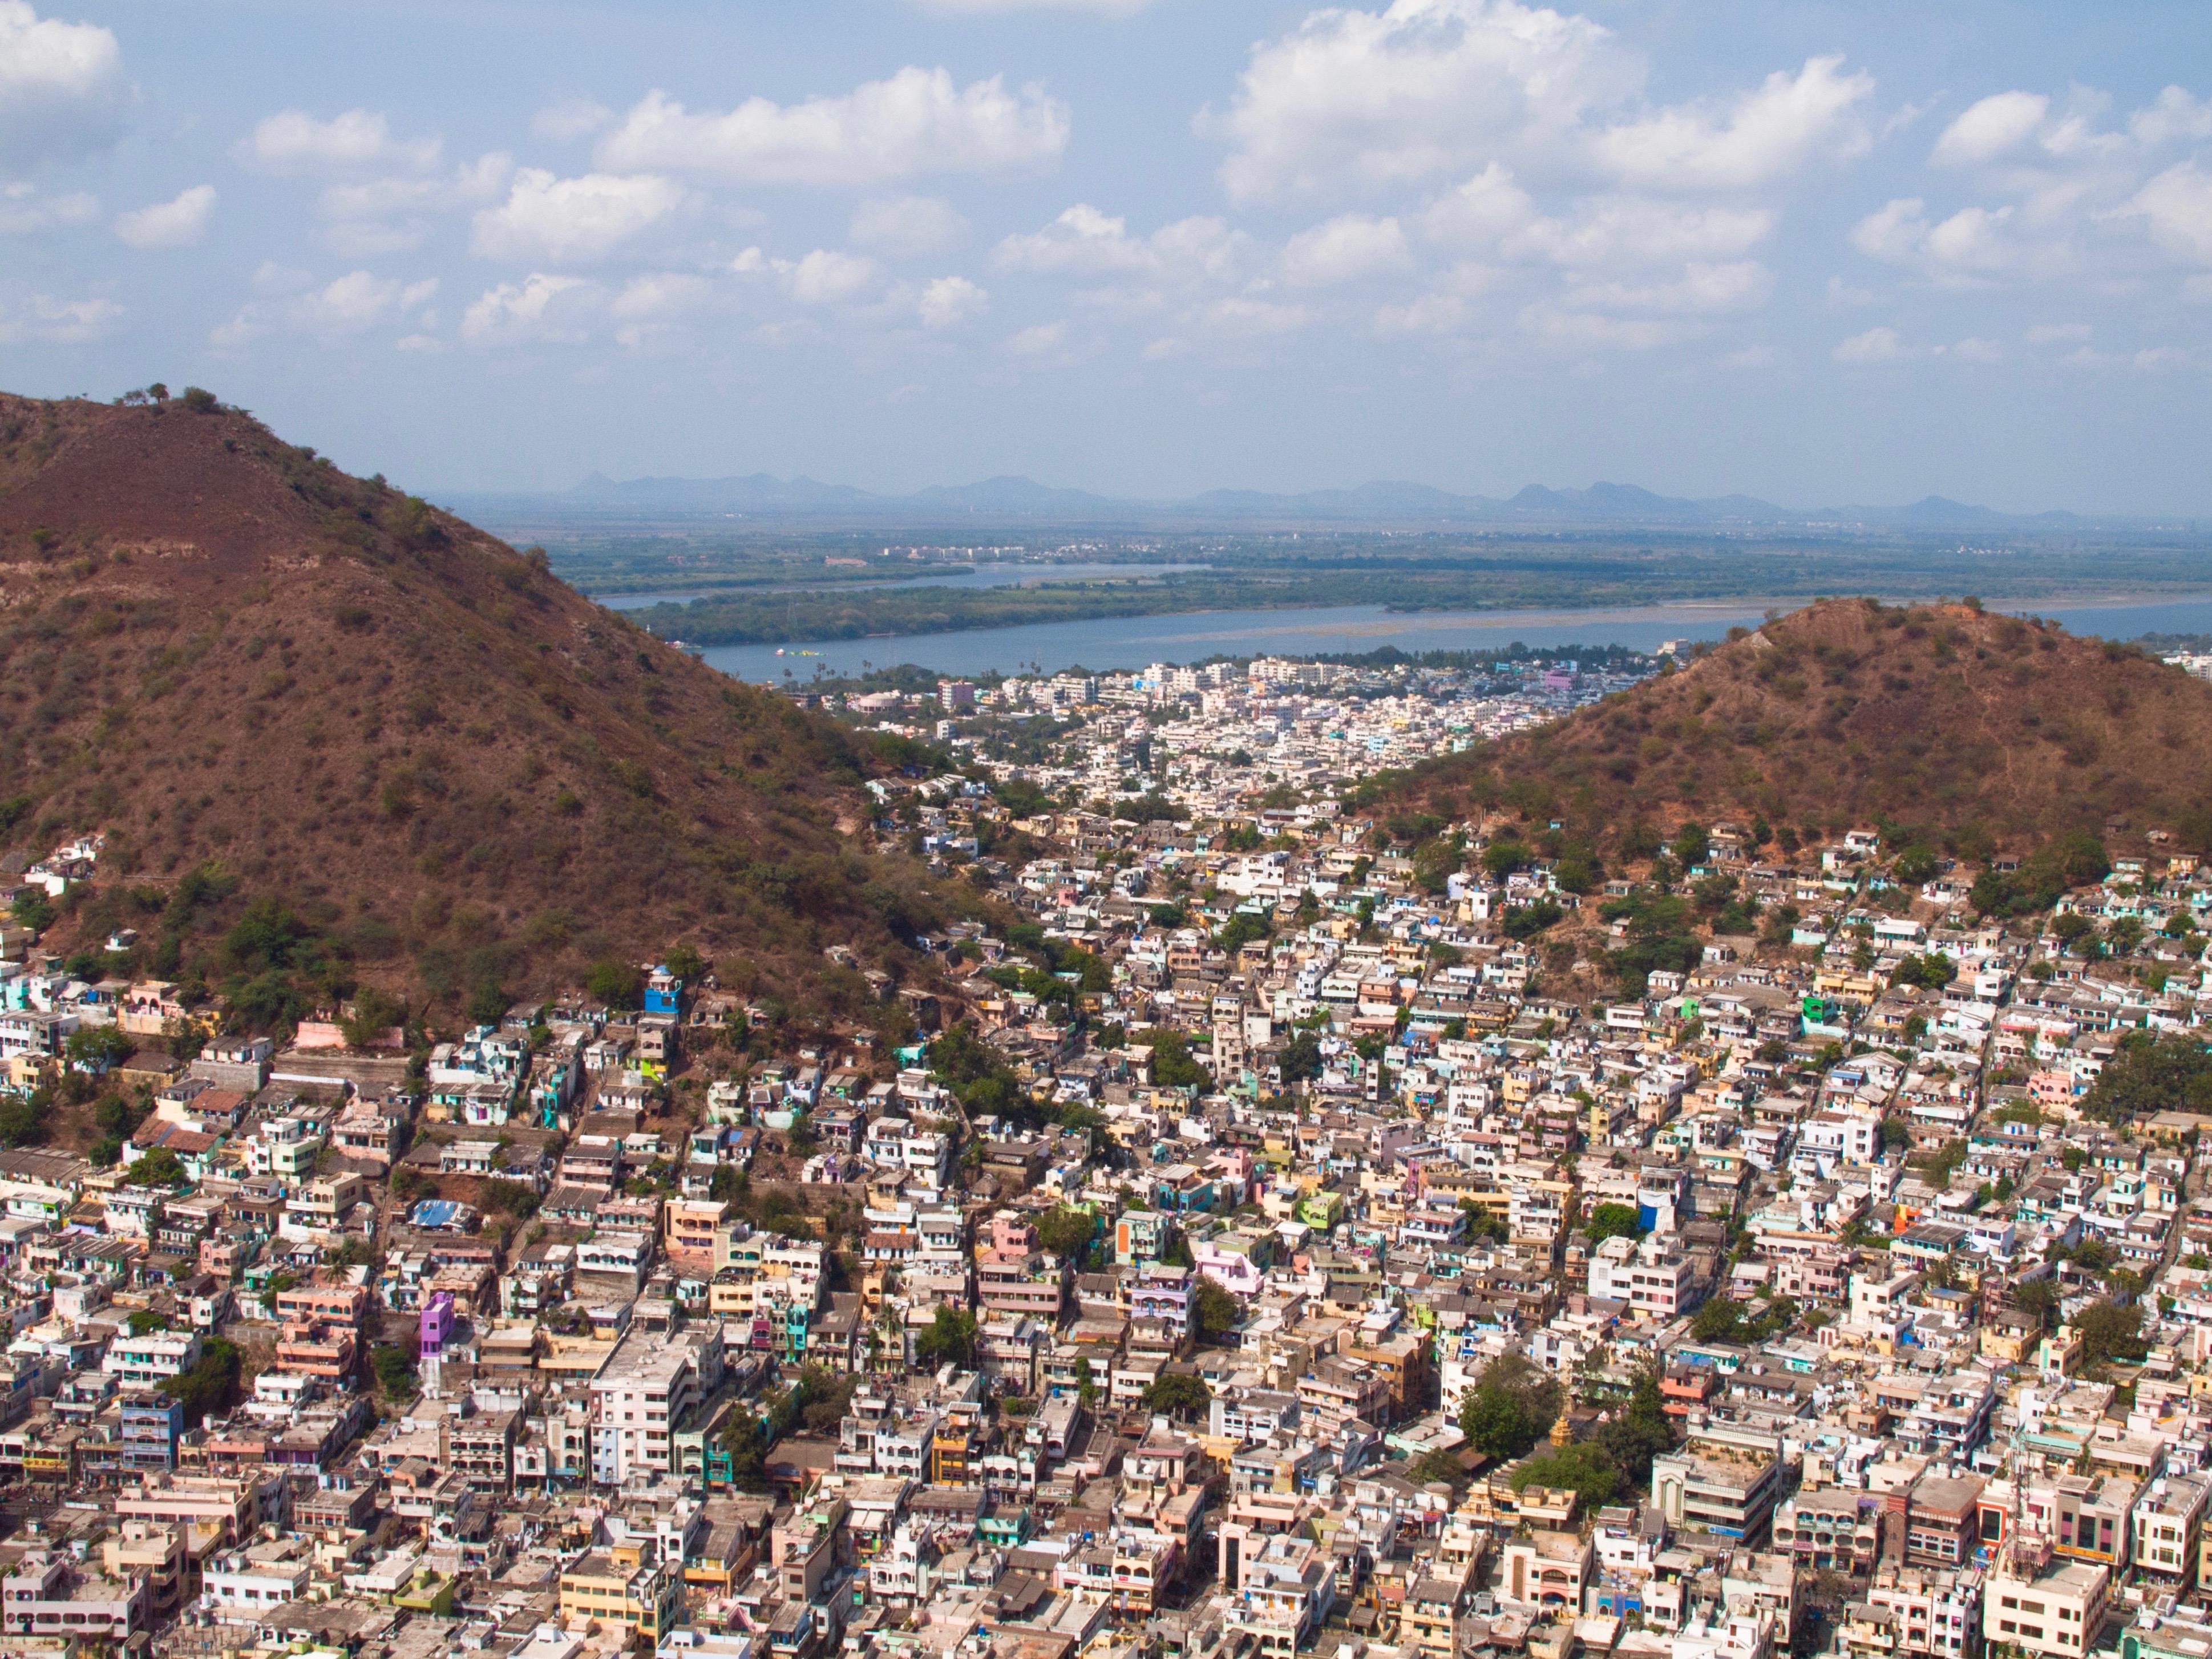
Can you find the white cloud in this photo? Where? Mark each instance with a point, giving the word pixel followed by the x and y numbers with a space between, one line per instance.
pixel 949 301
pixel 1243 316
pixel 1620 252
pixel 250 323
pixel 1039 340
pixel 270 277
pixel 662 294
pixel 1483 211
pixel 1755 139
pixel 908 227
pixel 827 276
pixel 292 141
pixel 2077 195
pixel 1742 285
pixel 1345 249
pixel 1878 345
pixel 915 122
pixel 1086 242
pixel 41 316
pixel 2057 333
pixel 1995 126
pixel 1973 247
pixel 1360 100
pixel 1893 232
pixel 2175 114
pixel 1615 232
pixel 567 220
pixel 169 224
pixel 1973 350
pixel 62 97
pixel 392 214
pixel 649 307
pixel 570 119
pixel 1563 329
pixel 352 304
pixel 1974 239
pixel 2176 209
pixel 1432 313
pixel 23 211
pixel 1357 101
pixel 542 307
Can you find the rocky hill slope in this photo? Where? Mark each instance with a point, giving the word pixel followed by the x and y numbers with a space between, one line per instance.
pixel 332 735
pixel 1944 723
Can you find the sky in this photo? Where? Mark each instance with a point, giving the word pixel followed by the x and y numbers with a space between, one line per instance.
pixel 1822 253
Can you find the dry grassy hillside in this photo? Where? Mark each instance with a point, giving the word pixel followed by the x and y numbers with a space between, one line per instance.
pixel 265 679
pixel 1944 720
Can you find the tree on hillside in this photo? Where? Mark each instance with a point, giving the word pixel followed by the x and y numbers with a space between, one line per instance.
pixel 950 1337
pixel 98 1048
pixel 1511 1405
pixel 1177 1394
pixel 1301 1058
pixel 1213 1311
pixel 1718 1320
pixel 395 1370
pixel 2108 1331
pixel 2149 1075
pixel 617 983
pixel 2037 1296
pixel 1506 855
pixel 1614 1221
pixel 1640 1432
pixel 158 1168
pixel 374 1013
pixel 209 1385
pixel 1585 1470
pixel 1433 1467
pixel 1068 1232
pixel 1172 1065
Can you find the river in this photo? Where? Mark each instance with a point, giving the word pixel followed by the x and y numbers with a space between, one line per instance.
pixel 1013 574
pixel 1134 642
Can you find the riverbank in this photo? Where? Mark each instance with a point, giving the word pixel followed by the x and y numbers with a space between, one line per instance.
pixel 1418 585
pixel 1101 643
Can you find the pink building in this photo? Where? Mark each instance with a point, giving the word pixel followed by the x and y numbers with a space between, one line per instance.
pixel 1011 1275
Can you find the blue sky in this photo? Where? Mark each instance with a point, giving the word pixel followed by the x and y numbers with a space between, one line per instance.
pixel 1819 252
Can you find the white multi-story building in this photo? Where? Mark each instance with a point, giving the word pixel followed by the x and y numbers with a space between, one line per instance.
pixel 152 1359
pixel 2168 1519
pixel 2053 1609
pixel 1937 1612
pixel 1644 1272
pixel 265 1576
pixel 648 1386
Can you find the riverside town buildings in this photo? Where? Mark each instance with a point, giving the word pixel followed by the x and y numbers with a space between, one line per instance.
pixel 1257 1231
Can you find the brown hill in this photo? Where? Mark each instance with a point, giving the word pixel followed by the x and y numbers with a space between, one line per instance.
pixel 432 765
pixel 1940 722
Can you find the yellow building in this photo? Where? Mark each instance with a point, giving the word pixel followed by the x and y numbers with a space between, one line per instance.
pixel 624 1586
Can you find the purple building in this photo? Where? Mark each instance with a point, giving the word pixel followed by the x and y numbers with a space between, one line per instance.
pixel 436 1326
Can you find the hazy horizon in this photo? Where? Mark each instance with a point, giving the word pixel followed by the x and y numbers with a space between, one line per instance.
pixel 1141 248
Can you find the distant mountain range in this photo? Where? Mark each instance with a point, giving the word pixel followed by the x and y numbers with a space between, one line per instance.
pixel 1016 500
